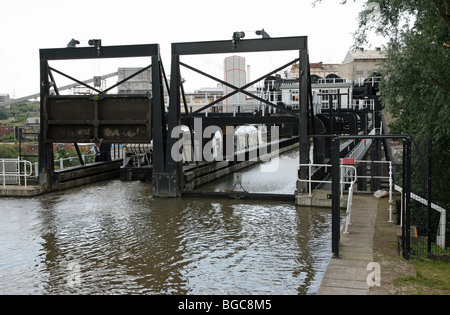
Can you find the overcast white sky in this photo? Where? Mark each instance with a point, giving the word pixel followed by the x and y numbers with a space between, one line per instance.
pixel 29 25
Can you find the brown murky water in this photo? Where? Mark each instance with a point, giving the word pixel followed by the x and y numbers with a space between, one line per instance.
pixel 115 238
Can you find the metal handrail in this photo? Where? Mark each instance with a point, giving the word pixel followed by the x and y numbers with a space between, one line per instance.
pixel 363 104
pixel 121 155
pixel 17 173
pixel 389 178
pixel 333 80
pixel 348 211
pixel 440 240
pixel 310 181
pixel 343 180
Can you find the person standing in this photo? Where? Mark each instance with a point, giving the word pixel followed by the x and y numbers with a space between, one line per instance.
pixel 96 150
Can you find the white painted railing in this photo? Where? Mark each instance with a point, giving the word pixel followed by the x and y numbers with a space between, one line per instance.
pixel 62 162
pixel 389 177
pixel 344 175
pixel 14 171
pixel 333 80
pixel 440 240
pixel 348 177
pixel 359 104
pixel 348 211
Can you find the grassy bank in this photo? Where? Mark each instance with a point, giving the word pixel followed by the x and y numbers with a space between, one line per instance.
pixel 432 278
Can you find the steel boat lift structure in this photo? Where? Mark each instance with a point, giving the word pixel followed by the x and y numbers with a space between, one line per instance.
pixel 142 119
pixel 167 180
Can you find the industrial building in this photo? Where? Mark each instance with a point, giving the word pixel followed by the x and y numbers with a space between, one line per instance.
pixel 360 64
pixel 139 84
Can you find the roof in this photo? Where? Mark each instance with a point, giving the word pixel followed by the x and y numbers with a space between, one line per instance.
pixel 361 54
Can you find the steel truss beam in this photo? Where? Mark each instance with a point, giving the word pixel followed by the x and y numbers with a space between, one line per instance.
pixel 242 89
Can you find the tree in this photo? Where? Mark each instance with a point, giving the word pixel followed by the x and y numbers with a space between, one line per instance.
pixel 3 114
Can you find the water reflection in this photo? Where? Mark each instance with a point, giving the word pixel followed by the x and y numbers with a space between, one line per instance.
pixel 115 238
pixel 279 176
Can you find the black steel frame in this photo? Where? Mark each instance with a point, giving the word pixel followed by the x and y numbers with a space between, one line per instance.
pixel 406 191
pixel 46 164
pixel 167 173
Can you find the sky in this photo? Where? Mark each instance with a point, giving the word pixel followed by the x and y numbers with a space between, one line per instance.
pixel 29 25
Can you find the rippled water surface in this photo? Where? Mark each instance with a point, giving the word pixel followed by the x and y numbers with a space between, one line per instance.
pixel 115 238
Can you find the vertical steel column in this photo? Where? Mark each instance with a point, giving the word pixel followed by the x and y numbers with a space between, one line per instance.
pixel 335 202
pixel 303 121
pixel 403 199
pixel 167 176
pixel 158 119
pixel 407 188
pixel 46 167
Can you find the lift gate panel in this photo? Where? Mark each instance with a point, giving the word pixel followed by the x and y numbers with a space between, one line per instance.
pixel 109 118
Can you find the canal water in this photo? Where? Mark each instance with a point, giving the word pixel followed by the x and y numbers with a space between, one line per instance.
pixel 114 237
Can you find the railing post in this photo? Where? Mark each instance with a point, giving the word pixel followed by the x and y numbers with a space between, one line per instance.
pixel 309 177
pixel 429 199
pixel 390 191
pixel 335 212
pixel 407 190
pixel 18 168
pixel 25 173
pixel 3 173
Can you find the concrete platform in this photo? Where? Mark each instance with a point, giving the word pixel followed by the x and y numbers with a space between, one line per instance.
pixel 318 198
pixel 19 191
pixel 347 275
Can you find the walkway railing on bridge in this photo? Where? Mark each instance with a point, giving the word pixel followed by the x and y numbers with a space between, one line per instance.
pixel 15 171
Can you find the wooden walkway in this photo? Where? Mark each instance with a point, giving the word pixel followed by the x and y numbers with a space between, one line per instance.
pixel 347 275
